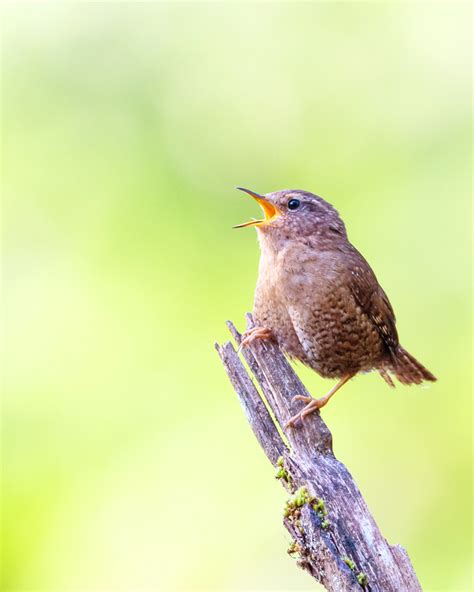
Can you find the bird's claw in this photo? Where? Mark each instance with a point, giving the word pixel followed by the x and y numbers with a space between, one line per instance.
pixel 291 423
pixel 252 335
pixel 305 398
pixel 312 405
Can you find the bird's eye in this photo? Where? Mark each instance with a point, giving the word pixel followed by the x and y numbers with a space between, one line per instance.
pixel 293 204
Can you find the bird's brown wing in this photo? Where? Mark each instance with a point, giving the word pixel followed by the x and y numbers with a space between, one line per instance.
pixel 371 298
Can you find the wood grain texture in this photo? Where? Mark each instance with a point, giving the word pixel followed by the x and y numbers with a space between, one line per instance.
pixel 335 536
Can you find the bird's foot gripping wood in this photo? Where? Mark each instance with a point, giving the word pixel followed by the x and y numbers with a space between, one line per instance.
pixel 312 404
pixel 253 334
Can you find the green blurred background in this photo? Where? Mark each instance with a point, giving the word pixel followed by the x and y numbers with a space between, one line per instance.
pixel 127 461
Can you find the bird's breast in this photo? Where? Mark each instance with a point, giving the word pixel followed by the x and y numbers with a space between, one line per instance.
pixel 270 306
pixel 303 298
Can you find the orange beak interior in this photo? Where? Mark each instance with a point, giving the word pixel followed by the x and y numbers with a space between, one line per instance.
pixel 270 211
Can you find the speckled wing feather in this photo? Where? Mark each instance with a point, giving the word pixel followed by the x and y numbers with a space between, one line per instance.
pixel 371 298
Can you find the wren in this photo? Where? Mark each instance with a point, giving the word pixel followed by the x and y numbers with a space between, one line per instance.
pixel 319 299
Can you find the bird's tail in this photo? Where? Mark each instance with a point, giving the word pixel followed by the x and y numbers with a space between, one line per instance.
pixel 408 369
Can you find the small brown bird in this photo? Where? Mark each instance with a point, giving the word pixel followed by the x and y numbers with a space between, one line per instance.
pixel 318 298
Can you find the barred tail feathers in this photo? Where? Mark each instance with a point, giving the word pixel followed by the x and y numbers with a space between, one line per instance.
pixel 408 369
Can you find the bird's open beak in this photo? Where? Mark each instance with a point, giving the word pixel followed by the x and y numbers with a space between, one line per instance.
pixel 271 212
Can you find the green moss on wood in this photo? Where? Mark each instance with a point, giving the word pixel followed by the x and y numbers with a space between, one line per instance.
pixel 294 549
pixel 319 506
pixel 349 563
pixel 300 498
pixel 281 472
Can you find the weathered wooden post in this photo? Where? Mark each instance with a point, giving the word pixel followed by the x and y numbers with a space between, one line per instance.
pixel 334 534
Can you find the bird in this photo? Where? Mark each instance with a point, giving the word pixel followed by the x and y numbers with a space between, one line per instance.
pixel 319 300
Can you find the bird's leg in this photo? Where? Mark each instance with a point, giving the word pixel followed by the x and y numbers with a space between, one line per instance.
pixel 253 334
pixel 313 404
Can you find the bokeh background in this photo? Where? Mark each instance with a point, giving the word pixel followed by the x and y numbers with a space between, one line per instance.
pixel 127 461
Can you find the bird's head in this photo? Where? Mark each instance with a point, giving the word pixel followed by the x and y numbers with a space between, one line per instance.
pixel 293 213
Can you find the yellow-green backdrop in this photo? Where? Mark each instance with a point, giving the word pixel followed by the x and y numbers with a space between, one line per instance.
pixel 127 461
